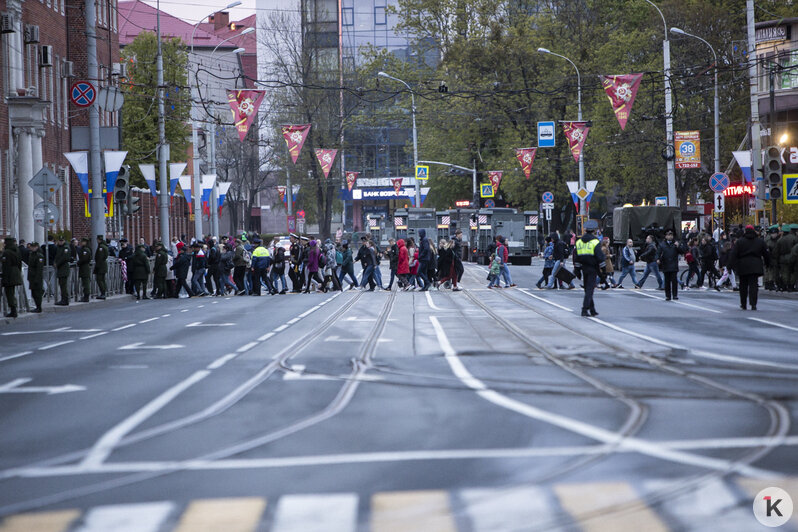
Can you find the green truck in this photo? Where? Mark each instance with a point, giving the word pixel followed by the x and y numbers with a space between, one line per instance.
pixel 639 222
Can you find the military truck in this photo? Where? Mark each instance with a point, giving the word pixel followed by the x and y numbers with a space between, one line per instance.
pixel 639 222
pixel 407 223
pixel 508 223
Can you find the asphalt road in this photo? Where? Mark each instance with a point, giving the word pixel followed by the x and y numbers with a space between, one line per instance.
pixel 476 410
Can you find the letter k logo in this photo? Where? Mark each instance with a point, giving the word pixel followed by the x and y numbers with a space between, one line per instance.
pixel 772 506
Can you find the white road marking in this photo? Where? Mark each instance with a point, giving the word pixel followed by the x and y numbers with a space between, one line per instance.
pixel 11 357
pixel 144 517
pixel 149 320
pixel 579 427
pixel 508 508
pixel 316 513
pixel 698 352
pixel 165 315
pixel 200 324
pixel 639 292
pixel 265 336
pixel 246 347
pixel 221 361
pixel 15 386
pixel 95 335
pixel 552 303
pixel 430 303
pixel 310 311
pixel 57 344
pixel 140 345
pixel 293 321
pixel 184 310
pixel 59 330
pixel 281 328
pixel 106 444
pixel 775 324
pixel 711 505
pixel 200 306
pixel 336 338
pixel 129 366
pixel 123 327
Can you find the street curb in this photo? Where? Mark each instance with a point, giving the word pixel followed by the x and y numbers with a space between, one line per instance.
pixel 48 309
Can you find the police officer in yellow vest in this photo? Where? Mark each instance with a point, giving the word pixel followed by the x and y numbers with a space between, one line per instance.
pixel 589 260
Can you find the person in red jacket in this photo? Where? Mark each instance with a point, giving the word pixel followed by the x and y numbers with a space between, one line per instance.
pixel 402 265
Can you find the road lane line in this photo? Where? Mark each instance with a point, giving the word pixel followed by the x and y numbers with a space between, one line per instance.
pixel 221 361
pixel 105 445
pixel 128 326
pixel 165 315
pixel 149 320
pixel 142 517
pixel 525 291
pixel 95 335
pixel 228 515
pixel 430 303
pixel 335 512
pixel 246 347
pixel 184 310
pixel 56 521
pixel 281 328
pixel 57 344
pixel 11 357
pixel 293 321
pixel 766 322
pixel 265 337
pixel 677 302
pixel 579 427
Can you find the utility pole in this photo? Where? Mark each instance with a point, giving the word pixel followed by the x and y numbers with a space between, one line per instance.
pixel 756 139
pixel 772 126
pixel 163 148
pixel 97 202
pixel 214 200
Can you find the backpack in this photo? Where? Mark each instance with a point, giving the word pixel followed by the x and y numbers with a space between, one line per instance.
pixel 322 260
pixel 689 257
pixel 339 258
pixel 248 258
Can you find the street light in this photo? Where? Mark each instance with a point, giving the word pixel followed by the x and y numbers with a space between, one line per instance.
pixel 678 31
pixel 463 168
pixel 582 204
pixel 415 134
pixel 666 60
pixel 244 32
pixel 784 138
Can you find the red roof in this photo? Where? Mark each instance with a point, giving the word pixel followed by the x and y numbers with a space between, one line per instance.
pixel 136 16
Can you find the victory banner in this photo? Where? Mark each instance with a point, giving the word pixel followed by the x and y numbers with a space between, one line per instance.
pixel 281 192
pixel 295 138
pixel 495 178
pixel 397 185
pixel 244 104
pixel 576 134
pixel 526 156
pixel 326 158
pixel 351 177
pixel 621 90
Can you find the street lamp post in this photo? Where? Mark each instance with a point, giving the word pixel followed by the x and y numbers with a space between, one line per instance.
pixel 582 204
pixel 678 31
pixel 415 134
pixel 666 60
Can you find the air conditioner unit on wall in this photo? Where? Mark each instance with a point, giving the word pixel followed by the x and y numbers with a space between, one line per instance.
pixel 67 69
pixel 46 56
pixel 31 34
pixel 6 23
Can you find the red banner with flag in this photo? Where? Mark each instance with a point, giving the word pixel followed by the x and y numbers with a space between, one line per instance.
pixel 495 178
pixel 526 156
pixel 244 104
pixel 326 158
pixel 397 185
pixel 295 138
pixel 576 134
pixel 281 192
pixel 621 90
pixel 351 177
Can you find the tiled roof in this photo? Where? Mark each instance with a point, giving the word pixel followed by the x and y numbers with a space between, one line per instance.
pixel 136 16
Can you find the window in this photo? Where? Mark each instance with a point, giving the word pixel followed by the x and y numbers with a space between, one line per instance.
pixel 380 17
pixel 348 16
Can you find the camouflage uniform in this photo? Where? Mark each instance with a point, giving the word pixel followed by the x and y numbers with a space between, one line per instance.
pixel 772 268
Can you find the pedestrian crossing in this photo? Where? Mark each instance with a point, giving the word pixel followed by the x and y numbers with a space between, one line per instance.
pixel 653 505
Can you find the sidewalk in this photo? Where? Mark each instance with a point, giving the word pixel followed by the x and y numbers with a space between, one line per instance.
pixel 49 307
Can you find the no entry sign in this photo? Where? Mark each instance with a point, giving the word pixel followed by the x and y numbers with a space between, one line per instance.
pixel 82 93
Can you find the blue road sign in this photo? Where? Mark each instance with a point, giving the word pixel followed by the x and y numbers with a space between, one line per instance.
pixel 546 135
pixel 790 188
pixel 719 182
pixel 548 197
pixel 485 191
pixel 489 204
pixel 82 94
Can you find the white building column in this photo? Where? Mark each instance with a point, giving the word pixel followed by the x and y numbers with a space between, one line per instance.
pixel 36 165
pixel 24 174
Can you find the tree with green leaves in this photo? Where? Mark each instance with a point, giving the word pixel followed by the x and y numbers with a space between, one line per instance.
pixel 140 111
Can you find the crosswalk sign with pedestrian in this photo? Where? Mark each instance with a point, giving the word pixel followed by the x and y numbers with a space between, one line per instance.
pixel 422 172
pixel 486 191
pixel 790 188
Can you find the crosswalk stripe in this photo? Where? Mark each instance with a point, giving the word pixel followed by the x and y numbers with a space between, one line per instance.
pixel 57 521
pixel 709 506
pixel 145 517
pixel 316 513
pixel 507 509
pixel 607 507
pixel 222 515
pixel 411 510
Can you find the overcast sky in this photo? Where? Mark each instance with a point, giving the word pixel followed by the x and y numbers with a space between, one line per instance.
pixel 190 10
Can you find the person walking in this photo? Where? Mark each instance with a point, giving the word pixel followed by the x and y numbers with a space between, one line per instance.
pixel 12 274
pixel 457 251
pixel 36 275
pixel 101 266
pixel 446 267
pixel 214 261
pixel 505 251
pixel 180 266
pixel 668 261
pixel 63 257
pixel 316 261
pixel 588 255
pixel 240 267
pixel 402 266
pixel 559 255
pixel 627 264
pixel 748 258
pixel 649 255
pixel 393 260
pixel 227 267
pixel 347 266
pixel 198 266
pixel 609 270
pixel 708 255
pixel 295 252
pixel 84 268
pixel 548 263
pixel 159 271
pixel 331 265
pixel 424 259
pixel 278 269
pixel 261 260
pixel 140 272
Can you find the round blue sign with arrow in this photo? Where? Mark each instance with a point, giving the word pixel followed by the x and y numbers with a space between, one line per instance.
pixel 719 182
pixel 82 93
pixel 548 197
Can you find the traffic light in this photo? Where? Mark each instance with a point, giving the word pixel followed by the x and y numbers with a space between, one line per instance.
pixel 122 185
pixel 773 172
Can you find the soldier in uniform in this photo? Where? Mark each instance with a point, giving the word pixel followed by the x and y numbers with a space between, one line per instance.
pixel 159 271
pixel 783 250
pixel 101 266
pixel 771 268
pixel 62 259
pixel 139 271
pixel 12 274
pixel 84 268
pixel 36 275
pixel 589 257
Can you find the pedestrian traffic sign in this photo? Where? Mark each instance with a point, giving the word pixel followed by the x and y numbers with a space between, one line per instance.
pixel 548 197
pixel 719 182
pixel 546 135
pixel 486 191
pixel 422 172
pixel 790 188
pixel 720 202
pixel 82 93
